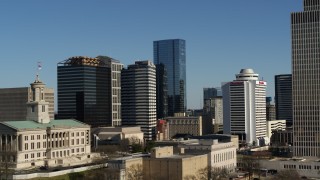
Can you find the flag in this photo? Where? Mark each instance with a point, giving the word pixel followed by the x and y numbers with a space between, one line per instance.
pixel 39 66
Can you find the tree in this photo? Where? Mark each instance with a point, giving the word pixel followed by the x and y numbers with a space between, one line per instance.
pixel 190 177
pixel 212 173
pixel 149 146
pixel 249 164
pixel 135 172
pixel 287 175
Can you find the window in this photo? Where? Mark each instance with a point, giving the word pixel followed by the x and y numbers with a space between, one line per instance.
pixel 82 133
pixel 38 136
pixel 72 142
pixel 26 156
pixel 32 155
pixel 32 137
pixel 26 138
pixel 38 145
pixel 43 108
pixel 32 108
pixel 38 154
pixel 44 144
pixel 77 141
pixel 82 141
pixel 32 145
pixel 26 146
pixel 72 150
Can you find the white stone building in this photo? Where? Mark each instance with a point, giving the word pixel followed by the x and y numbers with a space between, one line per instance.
pixel 39 141
pixel 220 155
pixel 244 107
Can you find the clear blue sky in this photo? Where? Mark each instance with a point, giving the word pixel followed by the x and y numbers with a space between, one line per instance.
pixel 222 36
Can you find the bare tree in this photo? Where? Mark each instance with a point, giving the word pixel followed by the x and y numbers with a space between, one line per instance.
pixel 212 173
pixel 135 172
pixel 190 177
pixel 287 175
pixel 249 164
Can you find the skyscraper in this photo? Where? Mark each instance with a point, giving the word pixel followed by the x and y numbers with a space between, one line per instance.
pixel 283 97
pixel 305 29
pixel 89 90
pixel 138 93
pixel 162 91
pixel 172 54
pixel 244 107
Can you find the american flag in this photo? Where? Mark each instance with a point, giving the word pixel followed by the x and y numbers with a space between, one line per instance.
pixel 39 66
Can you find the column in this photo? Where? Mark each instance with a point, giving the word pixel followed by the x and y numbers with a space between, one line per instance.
pixel 6 142
pixel 22 143
pixel 0 142
pixel 68 139
pixel 11 143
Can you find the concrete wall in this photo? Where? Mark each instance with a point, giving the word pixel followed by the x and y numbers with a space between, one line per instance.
pixel 57 173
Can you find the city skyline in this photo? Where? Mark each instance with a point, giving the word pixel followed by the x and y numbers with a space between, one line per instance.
pixel 221 37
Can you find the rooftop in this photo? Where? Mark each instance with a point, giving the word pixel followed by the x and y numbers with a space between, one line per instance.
pixel 31 125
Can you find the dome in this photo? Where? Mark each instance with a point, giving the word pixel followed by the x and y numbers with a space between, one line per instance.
pixel 246 71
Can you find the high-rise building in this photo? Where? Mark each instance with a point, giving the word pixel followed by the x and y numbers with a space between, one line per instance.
pixel 209 93
pixel 13 102
pixel 305 29
pixel 89 90
pixel 138 94
pixel 172 54
pixel 244 107
pixel 283 97
pixel 162 91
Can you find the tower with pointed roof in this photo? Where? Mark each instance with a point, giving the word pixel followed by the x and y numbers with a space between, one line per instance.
pixel 38 108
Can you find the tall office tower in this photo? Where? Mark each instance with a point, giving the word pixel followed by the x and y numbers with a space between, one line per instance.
pixel 283 97
pixel 88 90
pixel 208 95
pixel 162 91
pixel 116 68
pixel 13 102
pixel 138 94
pixel 244 107
pixel 172 54
pixel 305 29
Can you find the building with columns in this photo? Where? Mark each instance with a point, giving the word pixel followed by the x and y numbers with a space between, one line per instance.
pixel 39 141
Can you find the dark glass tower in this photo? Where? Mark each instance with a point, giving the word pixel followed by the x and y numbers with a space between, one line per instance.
pixel 83 90
pixel 305 34
pixel 162 91
pixel 283 97
pixel 172 54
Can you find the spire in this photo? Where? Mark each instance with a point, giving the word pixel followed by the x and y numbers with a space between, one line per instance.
pixel 37 108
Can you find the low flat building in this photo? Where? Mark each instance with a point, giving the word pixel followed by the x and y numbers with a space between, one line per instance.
pixel 308 167
pixel 163 164
pixel 220 155
pixel 113 135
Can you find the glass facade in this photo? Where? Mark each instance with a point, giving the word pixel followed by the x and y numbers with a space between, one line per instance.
pixel 305 34
pixel 171 53
pixel 283 97
pixel 83 91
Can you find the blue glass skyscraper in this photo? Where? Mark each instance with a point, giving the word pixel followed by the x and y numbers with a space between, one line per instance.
pixel 172 54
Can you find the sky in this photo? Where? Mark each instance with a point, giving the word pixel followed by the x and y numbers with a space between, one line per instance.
pixel 222 37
